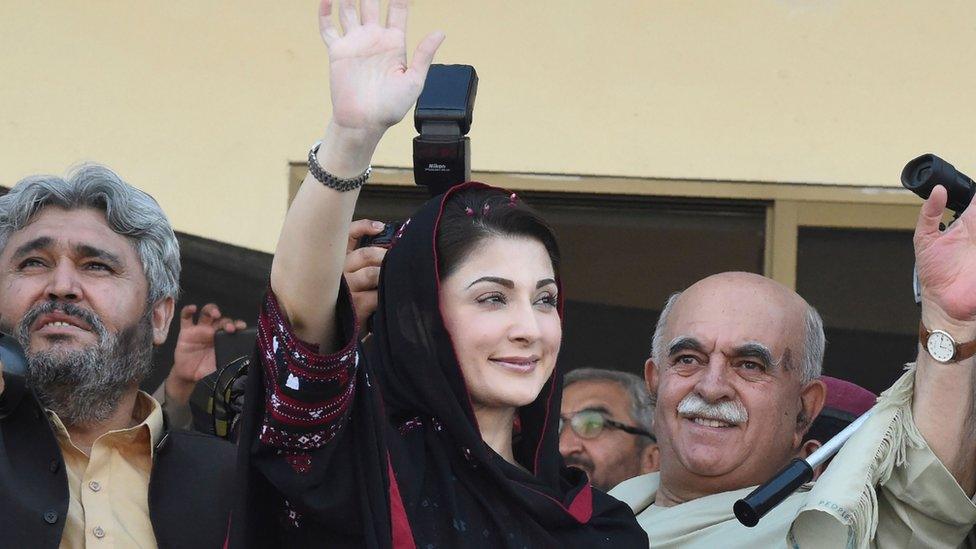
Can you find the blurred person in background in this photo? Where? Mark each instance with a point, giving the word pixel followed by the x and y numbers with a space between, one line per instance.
pixel 193 359
pixel 606 426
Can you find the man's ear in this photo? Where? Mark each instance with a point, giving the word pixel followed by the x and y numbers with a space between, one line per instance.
pixel 650 459
pixel 809 447
pixel 812 398
pixel 651 378
pixel 162 315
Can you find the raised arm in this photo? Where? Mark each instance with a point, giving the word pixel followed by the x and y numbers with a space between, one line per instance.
pixel 945 394
pixel 372 88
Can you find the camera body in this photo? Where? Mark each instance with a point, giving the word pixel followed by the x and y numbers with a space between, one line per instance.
pixel 442 151
pixel 442 117
pixel 382 240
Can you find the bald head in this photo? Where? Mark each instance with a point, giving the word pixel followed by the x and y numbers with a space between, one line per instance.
pixel 748 284
pixel 748 302
pixel 733 368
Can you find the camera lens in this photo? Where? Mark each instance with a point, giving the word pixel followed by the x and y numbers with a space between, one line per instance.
pixel 917 175
pixel 923 172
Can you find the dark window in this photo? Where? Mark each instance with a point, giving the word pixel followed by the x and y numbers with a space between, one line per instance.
pixel 861 282
pixel 232 277
pixel 622 257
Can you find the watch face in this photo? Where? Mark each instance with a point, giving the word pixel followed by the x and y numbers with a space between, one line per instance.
pixel 941 346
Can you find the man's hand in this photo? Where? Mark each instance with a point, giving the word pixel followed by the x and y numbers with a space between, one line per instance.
pixel 362 269
pixel 946 263
pixel 194 357
pixel 944 401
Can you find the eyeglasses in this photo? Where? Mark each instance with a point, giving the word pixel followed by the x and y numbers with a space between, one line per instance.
pixel 589 424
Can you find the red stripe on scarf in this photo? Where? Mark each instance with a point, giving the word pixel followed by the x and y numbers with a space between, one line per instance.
pixel 400 526
pixel 582 506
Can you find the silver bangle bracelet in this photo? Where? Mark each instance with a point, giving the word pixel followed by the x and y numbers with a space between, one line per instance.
pixel 329 180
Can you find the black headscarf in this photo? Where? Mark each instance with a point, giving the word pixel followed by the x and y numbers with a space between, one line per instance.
pixel 448 488
pixel 418 373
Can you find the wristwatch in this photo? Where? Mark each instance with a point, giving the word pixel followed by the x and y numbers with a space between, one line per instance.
pixel 941 347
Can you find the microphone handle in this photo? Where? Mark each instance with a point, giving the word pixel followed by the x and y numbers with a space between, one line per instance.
pixel 761 500
pixel 799 471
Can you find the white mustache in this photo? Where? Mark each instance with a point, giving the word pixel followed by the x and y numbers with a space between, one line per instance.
pixel 732 412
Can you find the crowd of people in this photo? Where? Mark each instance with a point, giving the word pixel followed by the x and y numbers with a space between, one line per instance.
pixel 451 422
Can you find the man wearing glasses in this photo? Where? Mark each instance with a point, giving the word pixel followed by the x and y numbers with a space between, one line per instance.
pixel 606 424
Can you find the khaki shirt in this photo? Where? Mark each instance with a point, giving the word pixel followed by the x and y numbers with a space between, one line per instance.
pixel 913 501
pixel 109 488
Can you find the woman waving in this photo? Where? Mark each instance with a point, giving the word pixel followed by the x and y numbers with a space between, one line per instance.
pixel 445 434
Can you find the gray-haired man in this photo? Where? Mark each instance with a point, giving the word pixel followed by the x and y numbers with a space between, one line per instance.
pixel 606 426
pixel 89 272
pixel 735 366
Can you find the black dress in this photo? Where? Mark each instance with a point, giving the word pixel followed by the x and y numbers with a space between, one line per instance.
pixel 382 449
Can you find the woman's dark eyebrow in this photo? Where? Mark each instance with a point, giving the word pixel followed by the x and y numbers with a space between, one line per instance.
pixel 544 282
pixel 508 283
pixel 496 280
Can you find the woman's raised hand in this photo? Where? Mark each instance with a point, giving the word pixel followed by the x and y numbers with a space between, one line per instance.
pixel 373 87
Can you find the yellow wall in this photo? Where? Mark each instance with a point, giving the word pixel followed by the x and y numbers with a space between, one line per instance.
pixel 204 103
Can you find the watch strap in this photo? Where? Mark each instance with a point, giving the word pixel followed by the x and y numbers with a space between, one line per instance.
pixel 963 350
pixel 923 335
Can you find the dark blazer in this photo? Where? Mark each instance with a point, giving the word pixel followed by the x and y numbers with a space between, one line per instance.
pixel 190 487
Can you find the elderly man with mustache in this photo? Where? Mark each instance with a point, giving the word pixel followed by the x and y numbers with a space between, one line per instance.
pixel 735 365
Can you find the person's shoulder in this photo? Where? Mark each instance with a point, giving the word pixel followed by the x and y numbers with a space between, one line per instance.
pixel 638 492
pixel 189 458
pixel 192 489
pixel 200 447
pixel 14 390
pixel 202 440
